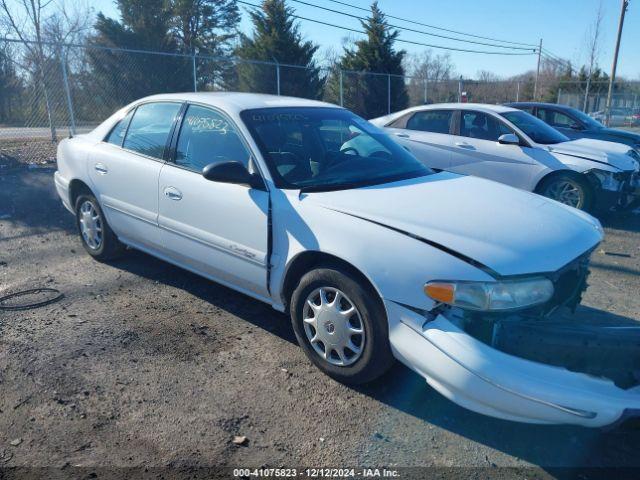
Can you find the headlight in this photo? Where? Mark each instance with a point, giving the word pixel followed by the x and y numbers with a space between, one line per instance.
pixel 608 180
pixel 487 296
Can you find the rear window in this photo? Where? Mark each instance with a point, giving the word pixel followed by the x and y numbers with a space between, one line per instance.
pixel 117 133
pixel 436 121
pixel 150 127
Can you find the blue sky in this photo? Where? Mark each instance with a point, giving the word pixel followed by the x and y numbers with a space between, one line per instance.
pixel 562 24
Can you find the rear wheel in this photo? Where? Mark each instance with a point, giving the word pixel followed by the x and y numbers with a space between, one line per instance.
pixel 97 237
pixel 341 325
pixel 569 189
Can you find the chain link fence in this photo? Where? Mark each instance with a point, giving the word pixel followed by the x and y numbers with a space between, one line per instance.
pixel 48 91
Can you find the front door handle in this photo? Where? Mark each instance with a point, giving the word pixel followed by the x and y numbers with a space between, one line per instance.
pixel 101 168
pixel 173 193
pixel 465 145
pixel 402 135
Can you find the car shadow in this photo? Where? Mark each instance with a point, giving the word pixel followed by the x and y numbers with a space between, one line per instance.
pixel 28 199
pixel 407 392
pixel 258 313
pixel 628 221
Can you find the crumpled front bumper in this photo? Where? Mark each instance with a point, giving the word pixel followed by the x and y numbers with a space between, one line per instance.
pixel 485 380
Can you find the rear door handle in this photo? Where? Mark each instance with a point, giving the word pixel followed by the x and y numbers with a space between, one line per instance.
pixel 101 168
pixel 173 193
pixel 465 145
pixel 402 135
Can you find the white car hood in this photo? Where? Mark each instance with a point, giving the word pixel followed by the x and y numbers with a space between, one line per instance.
pixel 610 153
pixel 509 231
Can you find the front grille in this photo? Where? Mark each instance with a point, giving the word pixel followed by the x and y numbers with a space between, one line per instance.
pixel 569 283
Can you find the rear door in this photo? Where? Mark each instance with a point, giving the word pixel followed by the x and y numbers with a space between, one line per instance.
pixel 476 151
pixel 125 168
pixel 216 229
pixel 427 134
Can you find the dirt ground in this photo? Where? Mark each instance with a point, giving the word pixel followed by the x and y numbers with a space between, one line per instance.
pixel 144 364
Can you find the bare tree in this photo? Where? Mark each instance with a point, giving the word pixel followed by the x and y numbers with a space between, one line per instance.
pixel 429 72
pixel 594 38
pixel 37 24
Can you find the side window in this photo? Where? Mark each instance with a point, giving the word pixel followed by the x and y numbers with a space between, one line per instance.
pixel 558 119
pixel 208 137
pixel 150 127
pixel 436 121
pixel 481 126
pixel 117 133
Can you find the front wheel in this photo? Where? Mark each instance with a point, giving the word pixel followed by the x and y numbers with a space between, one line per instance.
pixel 341 325
pixel 568 189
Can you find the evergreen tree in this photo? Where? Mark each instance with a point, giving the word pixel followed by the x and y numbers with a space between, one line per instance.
pixel 367 94
pixel 11 89
pixel 207 27
pixel 121 77
pixel 170 26
pixel 276 37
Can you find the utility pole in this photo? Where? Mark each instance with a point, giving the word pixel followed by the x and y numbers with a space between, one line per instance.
pixel 535 85
pixel 612 78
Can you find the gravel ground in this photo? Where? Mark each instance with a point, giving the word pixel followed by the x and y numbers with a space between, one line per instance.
pixel 144 364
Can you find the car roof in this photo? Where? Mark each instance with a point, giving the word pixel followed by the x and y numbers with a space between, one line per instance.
pixel 483 107
pixel 539 104
pixel 235 102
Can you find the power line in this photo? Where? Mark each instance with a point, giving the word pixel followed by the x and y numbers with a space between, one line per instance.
pixel 414 30
pixel 435 27
pixel 557 60
pixel 485 52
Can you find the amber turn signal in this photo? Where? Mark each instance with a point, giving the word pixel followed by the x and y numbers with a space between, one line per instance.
pixel 441 292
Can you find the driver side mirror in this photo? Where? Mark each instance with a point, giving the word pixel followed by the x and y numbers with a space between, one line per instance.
pixel 509 139
pixel 232 172
pixel 576 126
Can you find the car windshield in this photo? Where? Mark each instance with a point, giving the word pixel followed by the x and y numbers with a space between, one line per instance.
pixel 535 128
pixel 586 119
pixel 317 148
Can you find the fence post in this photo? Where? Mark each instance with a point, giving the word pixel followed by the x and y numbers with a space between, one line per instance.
pixel 517 91
pixel 65 80
pixel 460 89
pixel 278 76
pixel 195 75
pixel 426 80
pixel 388 93
pixel 341 90
pixel 559 93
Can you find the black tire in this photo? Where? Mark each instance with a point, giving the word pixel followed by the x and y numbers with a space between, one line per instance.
pixel 376 357
pixel 581 185
pixel 109 247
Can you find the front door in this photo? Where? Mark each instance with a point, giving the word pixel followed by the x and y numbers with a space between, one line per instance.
pixel 216 229
pixel 476 151
pixel 562 122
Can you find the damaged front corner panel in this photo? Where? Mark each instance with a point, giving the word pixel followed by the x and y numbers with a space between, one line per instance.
pixel 611 352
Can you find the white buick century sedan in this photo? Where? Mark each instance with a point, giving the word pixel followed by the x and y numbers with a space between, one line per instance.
pixel 373 255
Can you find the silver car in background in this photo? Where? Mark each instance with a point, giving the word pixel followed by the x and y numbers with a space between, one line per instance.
pixel 513 147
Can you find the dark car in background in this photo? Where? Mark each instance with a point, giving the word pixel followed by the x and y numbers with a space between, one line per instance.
pixel 577 124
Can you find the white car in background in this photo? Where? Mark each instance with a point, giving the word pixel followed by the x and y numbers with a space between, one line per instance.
pixel 513 147
pixel 373 255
